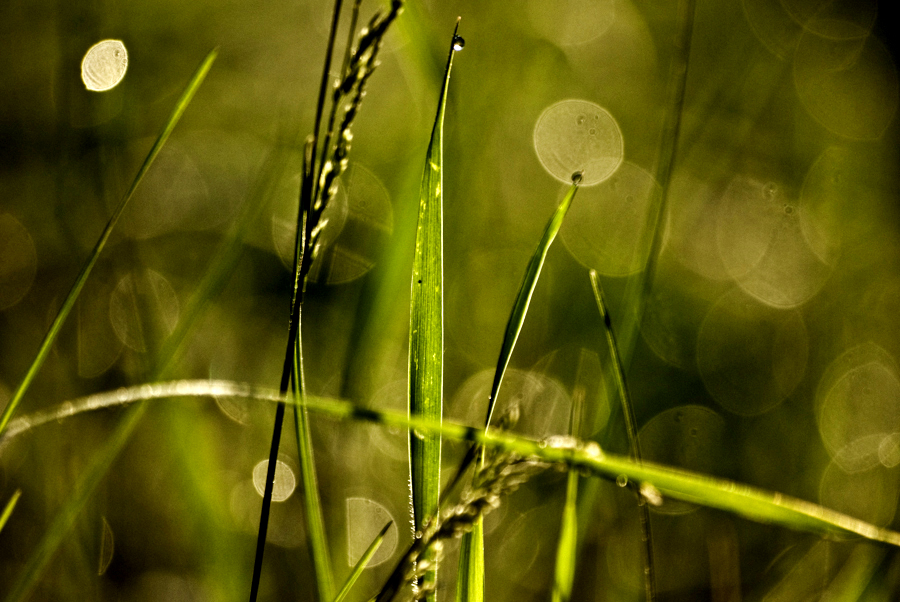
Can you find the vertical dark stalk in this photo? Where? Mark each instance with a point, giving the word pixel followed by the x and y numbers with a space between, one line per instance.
pixel 631 429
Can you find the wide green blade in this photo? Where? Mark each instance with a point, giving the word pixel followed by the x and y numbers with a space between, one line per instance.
pixel 82 277
pixel 362 563
pixel 10 506
pixel 426 337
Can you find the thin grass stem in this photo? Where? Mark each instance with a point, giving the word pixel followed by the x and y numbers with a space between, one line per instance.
pixel 44 350
pixel 362 563
pixel 8 509
pixel 631 430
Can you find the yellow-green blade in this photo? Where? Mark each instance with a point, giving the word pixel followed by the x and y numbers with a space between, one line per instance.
pixel 470 577
pixel 8 509
pixel 526 290
pixel 362 563
pixel 63 521
pixel 426 337
pixel 315 521
pixel 567 546
pixel 69 302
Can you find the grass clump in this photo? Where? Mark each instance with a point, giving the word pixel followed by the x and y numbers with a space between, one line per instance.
pixel 530 505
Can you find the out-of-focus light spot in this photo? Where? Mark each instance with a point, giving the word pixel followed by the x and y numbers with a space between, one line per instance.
pixel 18 261
pixel 691 226
pixel 98 345
pixel 365 519
pixel 543 405
pixel 577 135
pixel 572 22
pixel 580 371
pixel 285 482
pixel 143 306
pixel 804 577
pixel 858 407
pixel 870 495
pixel 751 356
pixel 606 226
pixel 391 440
pixel 107 547
pixel 685 437
pixel 360 222
pixel 284 529
pixel 675 309
pixel 779 24
pixel 104 65
pixel 762 246
pixel 848 86
pixel 889 450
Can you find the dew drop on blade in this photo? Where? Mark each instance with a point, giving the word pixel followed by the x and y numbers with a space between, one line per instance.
pixel 577 177
pixel 458 43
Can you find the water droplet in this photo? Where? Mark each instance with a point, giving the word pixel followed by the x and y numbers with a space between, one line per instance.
pixel 592 131
pixel 577 177
pixel 104 65
pixel 458 43
pixel 418 535
pixel 621 480
pixel 580 120
pixel 788 209
pixel 418 434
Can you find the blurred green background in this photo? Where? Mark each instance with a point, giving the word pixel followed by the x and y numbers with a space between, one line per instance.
pixel 767 352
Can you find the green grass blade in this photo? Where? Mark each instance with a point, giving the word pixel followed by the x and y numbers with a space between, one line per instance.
pixel 317 539
pixel 63 521
pixel 568 543
pixel 526 289
pixel 10 506
pixel 69 302
pixel 631 430
pixel 729 496
pixel 362 563
pixel 426 338
pixel 470 577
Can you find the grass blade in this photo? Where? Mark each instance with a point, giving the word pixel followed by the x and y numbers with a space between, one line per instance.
pixel 568 543
pixel 10 506
pixel 426 337
pixel 362 563
pixel 470 578
pixel 526 290
pixel 631 430
pixel 69 302
pixel 64 520
pixel 729 496
pixel 471 575
pixel 315 521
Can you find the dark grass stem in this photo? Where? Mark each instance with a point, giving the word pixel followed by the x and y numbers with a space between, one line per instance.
pixel 631 430
pixel 318 185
